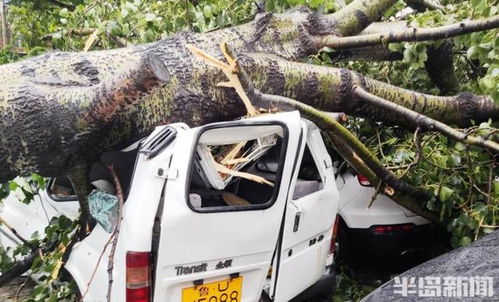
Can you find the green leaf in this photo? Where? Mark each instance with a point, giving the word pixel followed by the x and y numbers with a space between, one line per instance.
pixel 460 146
pixel 496 186
pixel 64 13
pixel 465 241
pixel 207 12
pixel 445 193
pixel 150 17
pixel 315 3
pixel 475 3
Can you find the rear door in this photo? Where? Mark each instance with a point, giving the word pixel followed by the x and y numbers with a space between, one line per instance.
pixel 219 229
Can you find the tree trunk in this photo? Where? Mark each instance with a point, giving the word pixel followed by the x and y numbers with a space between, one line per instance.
pixel 61 108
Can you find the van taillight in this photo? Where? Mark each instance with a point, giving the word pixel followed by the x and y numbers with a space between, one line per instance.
pixel 334 237
pixel 363 180
pixel 138 272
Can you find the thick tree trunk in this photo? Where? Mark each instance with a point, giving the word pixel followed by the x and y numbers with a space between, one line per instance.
pixel 60 109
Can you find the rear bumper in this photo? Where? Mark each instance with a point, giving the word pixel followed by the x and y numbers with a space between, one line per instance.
pixel 322 290
pixel 393 243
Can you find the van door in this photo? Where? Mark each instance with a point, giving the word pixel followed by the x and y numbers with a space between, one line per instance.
pixel 311 211
pixel 223 208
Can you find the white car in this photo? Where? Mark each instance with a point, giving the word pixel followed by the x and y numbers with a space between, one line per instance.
pixel 381 227
pixel 238 211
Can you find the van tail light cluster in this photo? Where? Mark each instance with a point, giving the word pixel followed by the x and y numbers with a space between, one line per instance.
pixel 334 238
pixel 363 181
pixel 138 274
pixel 387 229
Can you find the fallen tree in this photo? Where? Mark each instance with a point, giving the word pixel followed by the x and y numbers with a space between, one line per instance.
pixel 61 108
pixel 59 111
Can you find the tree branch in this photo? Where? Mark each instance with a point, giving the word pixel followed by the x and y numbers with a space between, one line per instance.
pixel 440 68
pixel 414 34
pixel 347 144
pixel 330 89
pixel 82 187
pixel 108 242
pixel 116 232
pixel 358 15
pixel 425 122
pixel 19 268
pixel 400 191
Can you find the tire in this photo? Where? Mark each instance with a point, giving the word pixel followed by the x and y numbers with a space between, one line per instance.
pixel 344 253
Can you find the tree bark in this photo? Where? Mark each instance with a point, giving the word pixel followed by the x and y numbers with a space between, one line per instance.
pixel 358 15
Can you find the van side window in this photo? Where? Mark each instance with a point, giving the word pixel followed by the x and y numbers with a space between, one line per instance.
pixel 309 179
pixel 61 189
pixel 236 168
pixel 123 162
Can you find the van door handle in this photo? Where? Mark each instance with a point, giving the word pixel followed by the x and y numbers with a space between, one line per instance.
pixel 296 224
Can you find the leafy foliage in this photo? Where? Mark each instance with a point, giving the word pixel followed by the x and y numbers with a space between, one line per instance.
pixel 462 179
pixel 49 246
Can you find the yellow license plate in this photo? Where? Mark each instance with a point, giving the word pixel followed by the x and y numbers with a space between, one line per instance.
pixel 221 291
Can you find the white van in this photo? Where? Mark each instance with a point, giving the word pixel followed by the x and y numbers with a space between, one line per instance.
pixel 200 225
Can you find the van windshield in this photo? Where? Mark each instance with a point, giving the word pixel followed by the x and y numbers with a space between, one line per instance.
pixel 236 168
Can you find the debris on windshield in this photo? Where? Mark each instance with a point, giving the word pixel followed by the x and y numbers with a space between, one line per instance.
pixel 104 209
pixel 228 160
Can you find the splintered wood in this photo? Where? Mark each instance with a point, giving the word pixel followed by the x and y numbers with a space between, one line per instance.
pixel 230 70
